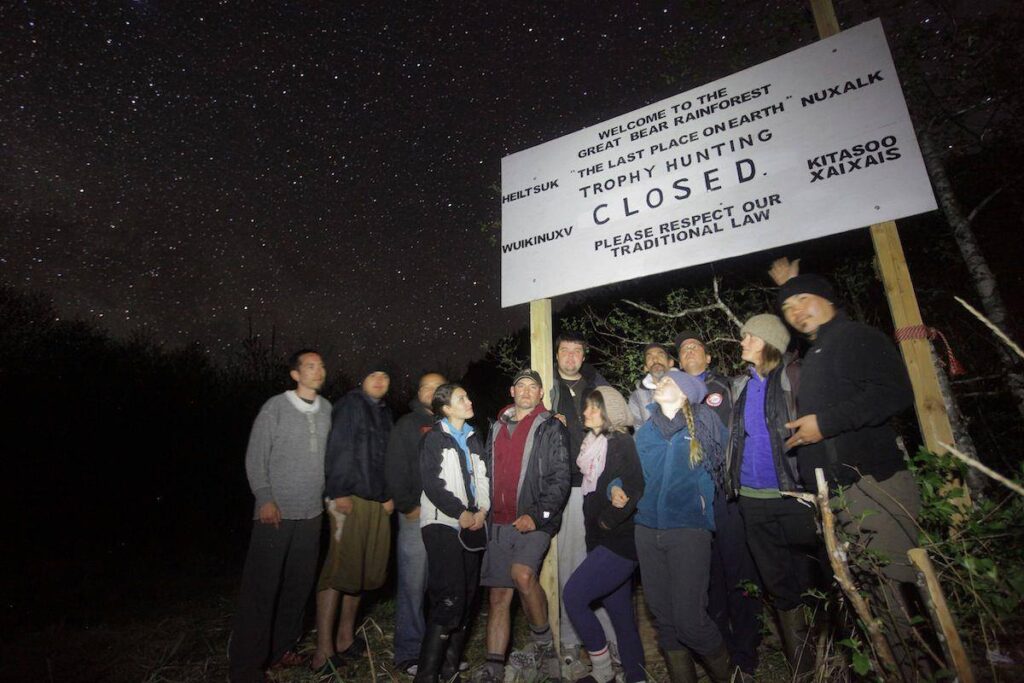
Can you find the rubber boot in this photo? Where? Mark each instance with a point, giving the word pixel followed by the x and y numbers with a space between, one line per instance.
pixel 432 654
pixel 452 658
pixel 718 665
pixel 681 668
pixel 797 644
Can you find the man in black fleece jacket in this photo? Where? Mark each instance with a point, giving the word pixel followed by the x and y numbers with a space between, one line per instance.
pixel 852 382
pixel 402 467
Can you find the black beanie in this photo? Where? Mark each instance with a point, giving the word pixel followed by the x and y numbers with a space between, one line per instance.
pixel 807 284
pixel 375 366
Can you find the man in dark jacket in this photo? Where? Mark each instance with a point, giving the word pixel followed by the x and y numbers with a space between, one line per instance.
pixel 852 382
pixel 359 505
pixel 736 613
pixel 574 380
pixel 405 483
pixel 528 461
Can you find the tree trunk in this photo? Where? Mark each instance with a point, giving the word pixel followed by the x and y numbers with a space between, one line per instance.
pixel 977 266
pixel 976 481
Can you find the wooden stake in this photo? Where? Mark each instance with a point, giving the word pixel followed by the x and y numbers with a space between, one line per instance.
pixel 941 617
pixel 844 577
pixel 542 360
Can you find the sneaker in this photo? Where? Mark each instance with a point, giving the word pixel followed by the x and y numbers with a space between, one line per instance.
pixel 488 674
pixel 573 669
pixel 548 663
pixel 409 667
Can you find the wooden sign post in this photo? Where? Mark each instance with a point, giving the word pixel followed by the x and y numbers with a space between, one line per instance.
pixel 542 360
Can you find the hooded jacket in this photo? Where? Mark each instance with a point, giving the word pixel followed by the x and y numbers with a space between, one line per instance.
pixel 676 494
pixel 543 486
pixel 590 379
pixel 354 462
pixel 854 381
pixel 779 408
pixel 445 475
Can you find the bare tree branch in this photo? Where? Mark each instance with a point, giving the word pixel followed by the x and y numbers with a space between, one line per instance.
pixel 719 305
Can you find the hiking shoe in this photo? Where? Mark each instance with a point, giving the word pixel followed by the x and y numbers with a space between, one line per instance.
pixel 573 669
pixel 548 663
pixel 488 674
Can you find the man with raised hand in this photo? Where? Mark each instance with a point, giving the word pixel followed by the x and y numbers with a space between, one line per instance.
pixel 853 381
pixel 528 462
pixel 285 466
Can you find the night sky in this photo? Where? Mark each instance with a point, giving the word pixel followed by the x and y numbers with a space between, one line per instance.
pixel 328 169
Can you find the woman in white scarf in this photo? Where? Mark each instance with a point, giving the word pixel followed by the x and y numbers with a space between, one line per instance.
pixel 607 458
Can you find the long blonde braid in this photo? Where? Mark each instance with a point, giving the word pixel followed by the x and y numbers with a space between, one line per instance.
pixel 696 452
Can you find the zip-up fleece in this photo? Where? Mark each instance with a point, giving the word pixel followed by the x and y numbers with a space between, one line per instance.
pixel 676 495
pixel 543 486
pixel 779 408
pixel 445 475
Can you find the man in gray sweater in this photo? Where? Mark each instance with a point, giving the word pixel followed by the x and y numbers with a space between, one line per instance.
pixel 285 466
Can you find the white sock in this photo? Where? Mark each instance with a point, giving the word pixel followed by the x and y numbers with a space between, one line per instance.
pixel 601 663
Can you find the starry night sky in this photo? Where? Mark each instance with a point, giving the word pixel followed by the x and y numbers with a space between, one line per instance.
pixel 327 169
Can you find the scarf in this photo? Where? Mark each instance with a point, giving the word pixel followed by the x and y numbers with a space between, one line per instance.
pixel 591 460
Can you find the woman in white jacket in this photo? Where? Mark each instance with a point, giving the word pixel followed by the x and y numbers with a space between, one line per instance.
pixel 453 510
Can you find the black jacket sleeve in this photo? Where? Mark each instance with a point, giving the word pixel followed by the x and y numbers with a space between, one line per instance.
pixel 402 464
pixel 552 449
pixel 623 464
pixel 431 457
pixel 881 387
pixel 341 467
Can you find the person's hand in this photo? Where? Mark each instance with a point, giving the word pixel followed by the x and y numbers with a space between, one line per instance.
pixel 524 524
pixel 806 431
pixel 343 504
pixel 413 514
pixel 561 418
pixel 270 514
pixel 619 497
pixel 466 519
pixel 389 505
pixel 783 269
pixel 479 517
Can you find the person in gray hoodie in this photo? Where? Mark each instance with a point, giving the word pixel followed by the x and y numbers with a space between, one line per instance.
pixel 285 466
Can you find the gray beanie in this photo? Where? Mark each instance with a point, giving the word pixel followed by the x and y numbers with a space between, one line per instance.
pixel 616 408
pixel 770 328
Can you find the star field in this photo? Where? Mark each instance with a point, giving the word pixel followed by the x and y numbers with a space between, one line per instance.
pixel 327 170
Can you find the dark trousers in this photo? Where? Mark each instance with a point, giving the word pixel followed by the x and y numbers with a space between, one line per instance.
pixel 279 573
pixel 607 578
pixel 782 537
pixel 736 612
pixel 453 574
pixel 674 568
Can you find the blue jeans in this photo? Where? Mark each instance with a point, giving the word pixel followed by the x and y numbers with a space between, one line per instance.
pixel 412 585
pixel 608 578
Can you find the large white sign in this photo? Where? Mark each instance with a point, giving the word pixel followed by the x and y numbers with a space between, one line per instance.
pixel 812 143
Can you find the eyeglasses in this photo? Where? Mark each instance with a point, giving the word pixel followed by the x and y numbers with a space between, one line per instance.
pixel 691 346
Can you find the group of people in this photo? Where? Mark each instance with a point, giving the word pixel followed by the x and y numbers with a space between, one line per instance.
pixel 685 481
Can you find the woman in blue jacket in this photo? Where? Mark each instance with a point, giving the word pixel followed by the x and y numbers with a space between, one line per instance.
pixel 681 447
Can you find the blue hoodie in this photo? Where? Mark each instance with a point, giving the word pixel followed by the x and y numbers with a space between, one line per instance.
pixel 676 495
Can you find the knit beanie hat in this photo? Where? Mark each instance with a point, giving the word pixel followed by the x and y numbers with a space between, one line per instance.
pixel 770 328
pixel 691 386
pixel 806 284
pixel 616 408
pixel 375 366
